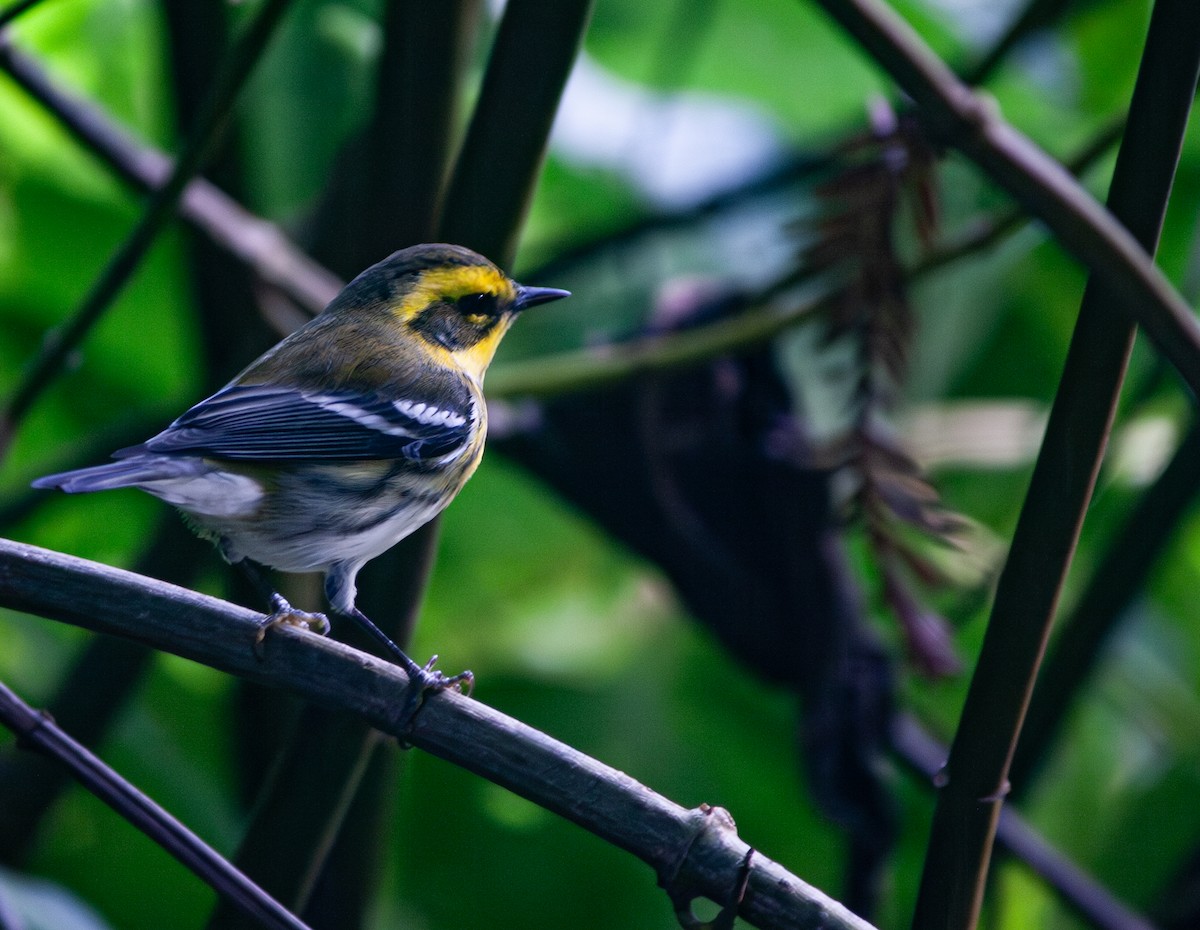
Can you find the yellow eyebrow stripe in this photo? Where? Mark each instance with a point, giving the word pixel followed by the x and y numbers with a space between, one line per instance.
pixel 449 284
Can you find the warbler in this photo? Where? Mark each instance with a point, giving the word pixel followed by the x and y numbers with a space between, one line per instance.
pixel 345 437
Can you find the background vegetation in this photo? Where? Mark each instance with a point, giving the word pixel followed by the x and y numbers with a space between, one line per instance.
pixel 709 157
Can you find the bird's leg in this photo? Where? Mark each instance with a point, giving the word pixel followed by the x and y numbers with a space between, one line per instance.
pixel 426 677
pixel 340 591
pixel 281 611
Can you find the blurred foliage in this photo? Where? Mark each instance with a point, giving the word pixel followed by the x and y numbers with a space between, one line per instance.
pixel 565 628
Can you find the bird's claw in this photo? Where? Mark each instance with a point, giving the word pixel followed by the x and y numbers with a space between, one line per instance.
pixel 423 680
pixel 284 614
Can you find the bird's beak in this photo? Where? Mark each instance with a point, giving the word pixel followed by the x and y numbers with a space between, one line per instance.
pixel 531 296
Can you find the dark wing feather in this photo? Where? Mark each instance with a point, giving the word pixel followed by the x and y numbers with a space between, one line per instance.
pixel 262 423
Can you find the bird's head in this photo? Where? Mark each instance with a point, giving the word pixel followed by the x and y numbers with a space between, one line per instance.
pixel 454 300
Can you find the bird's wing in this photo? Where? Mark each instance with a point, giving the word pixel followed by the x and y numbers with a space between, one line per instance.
pixel 259 422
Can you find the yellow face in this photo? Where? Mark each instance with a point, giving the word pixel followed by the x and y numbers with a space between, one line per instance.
pixel 461 312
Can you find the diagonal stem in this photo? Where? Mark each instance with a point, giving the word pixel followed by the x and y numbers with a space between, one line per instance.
pixel 40 732
pixel 261 245
pixel 159 211
pixel 975 779
pixel 1083 227
pixel 1116 581
pixel 498 163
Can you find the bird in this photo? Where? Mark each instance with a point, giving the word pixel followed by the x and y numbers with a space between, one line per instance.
pixel 342 439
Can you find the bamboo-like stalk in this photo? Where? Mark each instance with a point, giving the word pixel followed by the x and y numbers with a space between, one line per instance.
pixel 975 780
pixel 498 164
pixel 1120 574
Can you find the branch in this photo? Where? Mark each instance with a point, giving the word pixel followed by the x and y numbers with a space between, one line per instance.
pixel 159 211
pixel 597 368
pixel 1037 181
pixel 261 245
pixel 1078 890
pixel 39 731
pixel 682 846
pixel 975 780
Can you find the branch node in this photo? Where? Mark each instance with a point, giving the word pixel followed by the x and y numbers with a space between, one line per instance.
pixel 998 795
pixel 682 887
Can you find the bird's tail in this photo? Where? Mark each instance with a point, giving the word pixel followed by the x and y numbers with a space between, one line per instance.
pixel 135 471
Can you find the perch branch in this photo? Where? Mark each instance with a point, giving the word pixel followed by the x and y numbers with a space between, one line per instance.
pixel 679 844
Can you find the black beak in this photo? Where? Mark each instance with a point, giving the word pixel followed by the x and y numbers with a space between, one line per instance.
pixel 532 296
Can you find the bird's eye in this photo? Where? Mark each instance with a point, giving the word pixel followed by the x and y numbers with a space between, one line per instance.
pixel 481 306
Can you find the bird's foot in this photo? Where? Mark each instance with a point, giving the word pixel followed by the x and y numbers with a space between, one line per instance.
pixel 284 614
pixel 424 680
pixel 432 679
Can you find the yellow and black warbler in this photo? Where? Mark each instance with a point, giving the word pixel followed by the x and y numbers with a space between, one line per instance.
pixel 345 437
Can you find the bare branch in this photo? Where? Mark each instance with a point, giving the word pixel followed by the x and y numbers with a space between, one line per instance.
pixel 686 848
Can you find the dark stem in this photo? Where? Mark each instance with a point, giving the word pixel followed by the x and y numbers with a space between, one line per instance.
pixel 500 158
pixel 38 731
pixel 1083 227
pixel 975 780
pixel 273 258
pixel 1120 574
pixel 159 211
pixel 924 755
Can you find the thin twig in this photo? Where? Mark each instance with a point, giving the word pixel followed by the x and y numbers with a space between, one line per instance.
pixel 159 211
pixel 10 14
pixel 990 231
pixel 975 780
pixel 1042 185
pixel 686 848
pixel 39 731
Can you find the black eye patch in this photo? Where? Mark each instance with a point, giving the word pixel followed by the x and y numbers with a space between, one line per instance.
pixel 473 304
